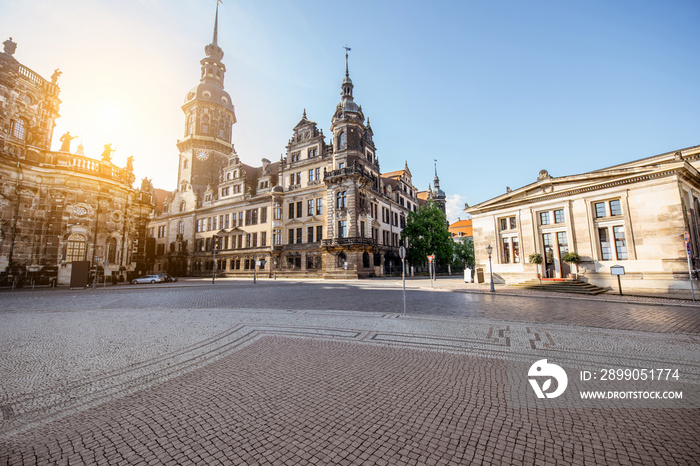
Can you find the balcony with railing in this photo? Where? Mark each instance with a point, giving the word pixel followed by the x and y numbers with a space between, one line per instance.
pixel 354 240
pixel 347 171
pixel 87 165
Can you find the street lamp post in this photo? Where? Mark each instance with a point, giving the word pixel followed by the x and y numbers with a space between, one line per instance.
pixel 489 249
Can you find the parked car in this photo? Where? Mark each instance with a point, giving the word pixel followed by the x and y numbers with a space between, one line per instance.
pixel 147 279
pixel 167 278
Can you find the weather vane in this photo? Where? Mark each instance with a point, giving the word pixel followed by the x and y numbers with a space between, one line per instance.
pixel 347 49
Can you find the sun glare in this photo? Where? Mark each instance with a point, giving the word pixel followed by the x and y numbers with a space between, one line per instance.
pixel 111 114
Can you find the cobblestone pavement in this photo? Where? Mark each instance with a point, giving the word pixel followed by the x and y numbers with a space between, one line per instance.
pixel 366 296
pixel 236 374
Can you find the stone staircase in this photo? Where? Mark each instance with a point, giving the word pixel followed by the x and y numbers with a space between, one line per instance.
pixel 561 286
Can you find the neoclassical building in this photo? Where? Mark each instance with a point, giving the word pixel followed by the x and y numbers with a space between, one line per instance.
pixel 58 208
pixel 633 215
pixel 323 210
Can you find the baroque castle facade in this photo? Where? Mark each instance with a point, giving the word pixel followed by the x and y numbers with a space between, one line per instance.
pixel 324 210
pixel 60 209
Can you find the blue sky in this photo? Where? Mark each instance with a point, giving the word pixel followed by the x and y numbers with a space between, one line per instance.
pixel 495 91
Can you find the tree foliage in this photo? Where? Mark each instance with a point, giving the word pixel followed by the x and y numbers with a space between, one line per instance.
pixel 464 253
pixel 426 233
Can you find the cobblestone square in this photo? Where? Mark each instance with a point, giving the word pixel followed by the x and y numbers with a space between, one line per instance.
pixel 195 374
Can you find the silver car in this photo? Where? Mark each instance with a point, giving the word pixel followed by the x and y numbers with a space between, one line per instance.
pixel 147 279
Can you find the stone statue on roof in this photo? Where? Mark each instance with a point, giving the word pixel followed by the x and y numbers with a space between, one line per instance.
pixel 107 153
pixel 65 141
pixel 10 46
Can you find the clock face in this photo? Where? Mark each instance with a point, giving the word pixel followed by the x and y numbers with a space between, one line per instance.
pixel 80 211
pixel 202 154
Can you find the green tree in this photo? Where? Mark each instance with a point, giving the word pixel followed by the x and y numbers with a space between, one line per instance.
pixel 426 233
pixel 464 253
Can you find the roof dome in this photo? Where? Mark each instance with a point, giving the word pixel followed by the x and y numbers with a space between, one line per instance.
pixel 210 92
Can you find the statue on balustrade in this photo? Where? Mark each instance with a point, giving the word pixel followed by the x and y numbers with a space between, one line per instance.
pixel 107 153
pixel 65 141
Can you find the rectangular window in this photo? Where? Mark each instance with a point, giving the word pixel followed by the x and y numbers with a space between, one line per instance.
pixel 254 217
pixel 213 223
pixel 559 216
pixel 319 206
pixel 620 242
pixel 247 217
pixel 291 236
pixel 311 175
pixel 362 229
pixel 233 220
pixel 298 177
pixel 291 179
pixel 318 173
pixel 277 238
pixel 291 210
pixel 227 220
pixel 544 218
pixel 319 233
pixel 615 208
pixel 310 207
pixel 605 251
pixel 342 229
pixel 516 249
pixel 247 240
pixel 277 213
pixel 300 209
pixel 255 240
pixel 506 250
pixel 563 242
pixel 263 239
pixel 511 222
pixel 263 214
pixel 299 238
pixel 599 209
pixel 209 224
pixel 310 235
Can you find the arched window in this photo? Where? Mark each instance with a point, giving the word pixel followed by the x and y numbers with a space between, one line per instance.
pixel 76 248
pixel 112 250
pixel 183 206
pixel 341 140
pixel 365 260
pixel 228 175
pixel 181 227
pixel 342 258
pixel 183 186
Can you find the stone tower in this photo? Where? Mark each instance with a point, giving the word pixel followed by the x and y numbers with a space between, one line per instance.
pixel 209 117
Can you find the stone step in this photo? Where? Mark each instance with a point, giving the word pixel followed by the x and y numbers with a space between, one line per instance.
pixel 562 286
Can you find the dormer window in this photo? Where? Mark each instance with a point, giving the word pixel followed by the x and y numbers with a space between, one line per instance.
pixel 229 176
pixel 296 156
